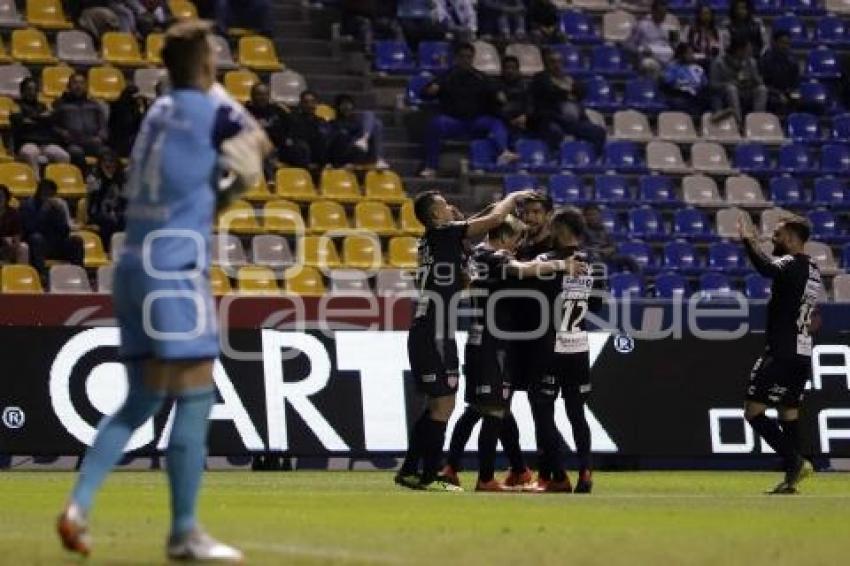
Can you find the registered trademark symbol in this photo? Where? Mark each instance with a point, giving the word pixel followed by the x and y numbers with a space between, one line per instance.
pixel 624 344
pixel 13 417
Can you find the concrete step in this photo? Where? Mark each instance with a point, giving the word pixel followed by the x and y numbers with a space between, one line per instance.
pixel 403 150
pixel 306 48
pixel 287 30
pixel 346 83
pixel 317 65
pixel 406 167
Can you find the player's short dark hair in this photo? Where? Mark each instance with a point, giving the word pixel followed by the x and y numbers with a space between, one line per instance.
pixel 186 47
pixel 45 187
pixel 738 43
pixel 799 227
pixel 464 46
pixel 422 206
pixel 23 84
pixel 540 197
pixel 572 218
pixel 510 227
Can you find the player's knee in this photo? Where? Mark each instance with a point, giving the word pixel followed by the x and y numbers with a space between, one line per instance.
pixel 753 410
pixel 441 408
pixel 491 411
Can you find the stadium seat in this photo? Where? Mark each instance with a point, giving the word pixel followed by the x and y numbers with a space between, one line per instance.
pixel 763 127
pixel 803 127
pixel 665 156
pixel 609 60
pixel 153 48
pixel 147 79
pixel 271 250
pixel 727 257
pixel 566 188
pixel 770 218
pixel 349 281
pixel 121 49
pixel 796 158
pixel 7 108
pixel 578 27
pixel 645 223
pixel 795 28
pixel 340 185
pixel 692 224
pixel 295 184
pixel 658 191
pixel 77 48
pixel 822 255
pixel 227 250
pixel 632 125
pixel 617 26
pixel 814 94
pixel 681 256
pixel 105 275
pixel 825 227
pixel 374 217
pixel 841 129
pixel 394 282
pixel 487 59
pixel 54 80
pixel 305 281
pixel 533 155
pixel 845 257
pixel 613 223
pixel 757 287
pixel 68 179
pixel 256 280
pixel 219 281
pixel 239 84
pixel 10 79
pixel 831 192
pixel 258 52
pixel 518 182
pixel 106 83
pixel 841 288
pixel 238 218
pixel 223 54
pixel 596 117
pixel 69 279
pixel 283 217
pixel 710 157
pixel 95 256
pixel 402 252
pixel 786 191
pixel 183 9
pixel 286 87
pixel 838 6
pixel 641 253
pixel 835 159
pixel 624 156
pixel 19 178
pixel 676 126
pixel 384 185
pixel 832 32
pixel 47 14
pixel 822 63
pixel 727 221
pixel 408 223
pixel 326 112
pixel 725 131
pixel 362 251
pixel 17 278
pixel 530 60
pixel 413 92
pixel 592 5
pixel 612 190
pixel 31 46
pixel 804 7
pixel 626 285
pixel 434 56
pixel 317 251
pixel 393 57
pixel 9 15
pixel 578 155
pixel 259 192
pixel 599 95
pixel 670 285
pixel 327 216
pixel 752 158
pixel 700 190
pixel 642 94
pixel 714 285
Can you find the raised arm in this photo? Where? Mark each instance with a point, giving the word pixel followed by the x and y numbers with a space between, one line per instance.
pixel 483 224
pixel 524 269
pixel 761 262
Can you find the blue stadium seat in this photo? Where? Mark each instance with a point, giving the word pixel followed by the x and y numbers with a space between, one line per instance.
pixel 831 192
pixel 413 93
pixel 796 159
pixel 794 26
pixel 841 128
pixel 752 158
pixel 645 223
pixel 533 155
pixel 641 253
pixel 822 63
pixel 669 285
pixel 727 257
pixel 815 95
pixel 578 27
pixel 804 7
pixel 803 127
pixel 719 5
pixel 642 94
pixel 571 57
pixel 515 182
pixel 482 155
pixel 768 7
pixel 825 227
pixel 692 224
pixel 610 61
pixel 414 10
pixel 835 159
pixel 714 285
pixel 658 191
pixel 681 256
pixel 786 192
pixel 845 257
pixel 578 155
pixel 831 31
pixel 757 287
pixel 612 222
pixel 599 96
pixel 434 56
pixel 624 156
pixel 612 190
pixel 566 188
pixel 393 57
pixel 623 284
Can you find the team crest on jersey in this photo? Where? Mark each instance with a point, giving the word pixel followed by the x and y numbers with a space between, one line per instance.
pixel 452 380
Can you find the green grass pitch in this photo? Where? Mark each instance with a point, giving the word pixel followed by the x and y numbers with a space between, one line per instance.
pixel 633 518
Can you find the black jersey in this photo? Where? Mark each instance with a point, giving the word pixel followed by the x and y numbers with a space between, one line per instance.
pixel 795 291
pixel 528 249
pixel 489 274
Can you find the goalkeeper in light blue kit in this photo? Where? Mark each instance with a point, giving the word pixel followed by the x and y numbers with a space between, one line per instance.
pixel 162 295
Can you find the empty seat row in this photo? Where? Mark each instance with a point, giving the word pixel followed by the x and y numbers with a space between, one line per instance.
pixel 679 127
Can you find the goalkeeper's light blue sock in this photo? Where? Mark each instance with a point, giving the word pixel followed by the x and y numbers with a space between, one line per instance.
pixel 186 454
pixel 112 435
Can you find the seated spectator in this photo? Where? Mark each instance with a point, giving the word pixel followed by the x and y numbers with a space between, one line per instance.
pixel 80 121
pixel 125 119
pixel 742 24
pixel 32 130
pixel 505 18
pixel 252 14
pixel 781 73
pixel 368 20
pixel 309 134
pixel 542 19
pixel 649 41
pixel 703 37
pixel 467 107
pixel 685 84
pixel 355 137
pixel 736 82
pixel 95 17
pixel 12 249
pixel 107 203
pixel 141 17
pixel 600 243
pixel 558 112
pixel 276 121
pixel 47 229
pixel 514 96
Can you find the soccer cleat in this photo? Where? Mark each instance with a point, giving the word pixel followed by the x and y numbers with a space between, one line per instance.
pixel 73 530
pixel 198 546
pixel 520 479
pixel 493 486
pixel 449 474
pixel 439 485
pixel 410 481
pixel 584 483
pixel 801 471
pixel 559 486
pixel 541 483
pixel 784 488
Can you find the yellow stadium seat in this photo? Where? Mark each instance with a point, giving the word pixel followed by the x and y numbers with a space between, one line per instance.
pixel 317 251
pixel 408 222
pixel 47 14
pixel 304 280
pixel 95 256
pixel 4 154
pixel 325 112
pixel 153 48
pixel 183 9
pixel 283 217
pixel 403 252
pixel 68 179
pixel 54 80
pixel 19 178
pixel 385 186
pixel 362 251
pixel 106 83
pixel 341 185
pixel 7 108
pixel 31 46
pixel 239 84
pixel 121 48
pixel 259 192
pixel 19 278
pixel 327 216
pixel 258 52
pixel 240 32
pixel 239 218
pixel 219 281
pixel 295 184
pixel 82 216
pixel 374 216
pixel 257 280
pixel 4 55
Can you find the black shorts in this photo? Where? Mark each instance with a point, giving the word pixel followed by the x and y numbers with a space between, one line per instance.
pixel 433 362
pixel 523 363
pixel 488 382
pixel 779 381
pixel 567 374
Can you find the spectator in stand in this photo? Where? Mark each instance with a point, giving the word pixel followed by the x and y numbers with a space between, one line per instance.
pixel 736 82
pixel 600 244
pixel 781 73
pixel 556 98
pixel 12 249
pixel 32 130
pixel 685 83
pixel 438 19
pixel 505 18
pixel 47 229
pixel 649 41
pixel 514 97
pixel 277 123
pixel 368 20
pixel 355 137
pixel 141 17
pixel 251 14
pixel 468 105
pixel 95 16
pixel 742 24
pixel 107 202
pixel 125 119
pixel 309 135
pixel 703 37
pixel 542 19
pixel 80 121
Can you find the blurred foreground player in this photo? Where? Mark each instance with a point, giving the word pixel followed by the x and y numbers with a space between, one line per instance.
pixel 780 374
pixel 162 297
pixel 431 342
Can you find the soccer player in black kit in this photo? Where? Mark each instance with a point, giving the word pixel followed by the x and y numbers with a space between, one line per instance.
pixel 431 344
pixel 780 374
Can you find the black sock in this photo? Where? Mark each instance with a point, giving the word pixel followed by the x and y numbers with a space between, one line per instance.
pixel 510 442
pixel 791 432
pixel 487 440
pixel 771 433
pixel 432 453
pixel 574 404
pixel 547 433
pixel 460 436
pixel 415 444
